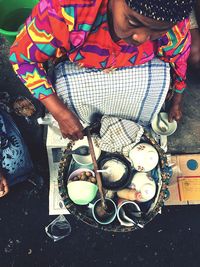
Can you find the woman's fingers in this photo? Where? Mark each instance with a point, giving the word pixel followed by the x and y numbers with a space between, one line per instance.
pixel 73 135
pixel 3 187
pixel 70 137
pixel 70 126
pixel 175 114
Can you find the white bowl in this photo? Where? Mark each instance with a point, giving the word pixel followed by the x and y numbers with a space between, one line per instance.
pixel 144 157
pixel 85 160
pixel 78 171
pixel 171 126
pixel 143 183
pixel 81 192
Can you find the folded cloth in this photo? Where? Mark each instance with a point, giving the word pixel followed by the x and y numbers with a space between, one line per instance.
pixel 118 135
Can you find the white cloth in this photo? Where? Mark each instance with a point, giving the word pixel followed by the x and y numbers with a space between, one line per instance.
pixel 134 93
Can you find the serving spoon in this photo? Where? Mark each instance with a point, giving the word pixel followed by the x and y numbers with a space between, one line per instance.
pixel 82 151
pixel 162 124
pixel 102 208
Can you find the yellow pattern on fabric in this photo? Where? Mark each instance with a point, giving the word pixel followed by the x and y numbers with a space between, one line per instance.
pixel 39 36
pixel 69 19
pixel 34 80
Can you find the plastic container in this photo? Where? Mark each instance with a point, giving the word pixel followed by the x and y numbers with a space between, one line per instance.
pixel 58 228
pixel 13 15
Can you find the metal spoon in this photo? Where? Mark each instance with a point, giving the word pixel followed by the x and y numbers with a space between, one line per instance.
pixel 107 170
pixel 82 151
pixel 162 124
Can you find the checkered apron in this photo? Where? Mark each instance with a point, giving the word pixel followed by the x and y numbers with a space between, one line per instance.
pixel 134 93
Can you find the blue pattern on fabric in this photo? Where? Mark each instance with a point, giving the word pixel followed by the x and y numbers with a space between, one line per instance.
pixel 146 93
pixel 161 92
pixel 135 93
pixel 14 157
pixel 68 90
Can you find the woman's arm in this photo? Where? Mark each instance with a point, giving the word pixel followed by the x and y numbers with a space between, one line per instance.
pixel 176 51
pixel 175 110
pixel 44 33
pixel 69 124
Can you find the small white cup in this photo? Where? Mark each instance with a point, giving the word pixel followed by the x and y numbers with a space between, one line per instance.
pixel 143 183
pixel 147 191
pixel 122 216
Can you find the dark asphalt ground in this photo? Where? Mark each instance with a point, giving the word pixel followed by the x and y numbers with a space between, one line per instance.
pixel 171 239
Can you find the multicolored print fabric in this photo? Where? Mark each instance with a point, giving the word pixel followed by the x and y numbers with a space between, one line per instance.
pixel 80 30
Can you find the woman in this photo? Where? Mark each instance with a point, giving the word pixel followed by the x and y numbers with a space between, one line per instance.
pixel 15 162
pixel 140 40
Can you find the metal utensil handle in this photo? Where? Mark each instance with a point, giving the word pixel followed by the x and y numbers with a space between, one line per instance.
pixel 99 183
pixel 161 121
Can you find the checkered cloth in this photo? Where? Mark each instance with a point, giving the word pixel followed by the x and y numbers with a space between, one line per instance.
pixel 133 93
pixel 118 135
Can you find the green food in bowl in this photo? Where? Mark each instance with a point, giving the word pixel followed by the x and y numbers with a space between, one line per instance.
pixel 82 192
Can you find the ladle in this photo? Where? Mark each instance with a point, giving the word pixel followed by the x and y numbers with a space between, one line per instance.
pixel 162 124
pixel 103 207
pixel 82 151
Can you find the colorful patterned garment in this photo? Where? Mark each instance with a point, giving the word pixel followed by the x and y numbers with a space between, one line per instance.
pixel 79 28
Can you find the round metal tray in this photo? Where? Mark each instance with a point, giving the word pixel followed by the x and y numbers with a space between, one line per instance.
pixel 83 212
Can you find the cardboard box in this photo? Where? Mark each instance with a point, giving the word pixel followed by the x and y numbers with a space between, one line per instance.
pixel 55 145
pixel 184 187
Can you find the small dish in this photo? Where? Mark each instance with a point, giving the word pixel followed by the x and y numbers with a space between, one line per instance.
pixel 162 119
pixel 85 160
pixel 144 157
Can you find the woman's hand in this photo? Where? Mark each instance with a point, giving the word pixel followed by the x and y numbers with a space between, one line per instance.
pixel 69 124
pixel 3 186
pixel 175 110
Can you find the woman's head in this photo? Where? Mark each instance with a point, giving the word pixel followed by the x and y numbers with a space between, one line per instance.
pixel 136 26
pixel 162 10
